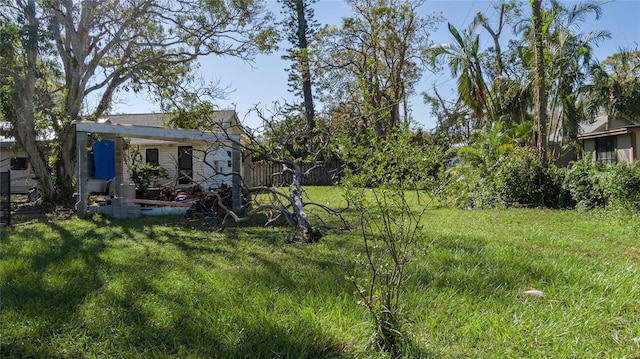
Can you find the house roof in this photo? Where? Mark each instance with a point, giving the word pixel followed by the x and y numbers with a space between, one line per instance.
pixel 604 126
pixel 226 118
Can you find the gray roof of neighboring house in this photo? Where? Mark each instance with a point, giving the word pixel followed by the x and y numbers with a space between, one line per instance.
pixel 605 125
pixel 601 124
pixel 588 127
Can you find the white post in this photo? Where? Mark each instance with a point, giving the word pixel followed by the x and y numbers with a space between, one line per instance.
pixel 81 205
pixel 236 163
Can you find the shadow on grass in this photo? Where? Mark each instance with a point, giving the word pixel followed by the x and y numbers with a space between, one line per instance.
pixel 44 285
pixel 79 303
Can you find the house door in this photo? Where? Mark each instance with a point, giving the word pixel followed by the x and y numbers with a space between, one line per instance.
pixel 185 164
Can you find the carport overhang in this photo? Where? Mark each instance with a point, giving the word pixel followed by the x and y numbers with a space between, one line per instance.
pixel 148 132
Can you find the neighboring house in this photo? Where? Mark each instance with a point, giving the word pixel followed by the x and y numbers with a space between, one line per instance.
pixel 14 159
pixel 611 139
pixel 188 164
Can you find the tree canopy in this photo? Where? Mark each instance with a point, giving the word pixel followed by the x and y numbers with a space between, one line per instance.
pixel 371 63
pixel 64 60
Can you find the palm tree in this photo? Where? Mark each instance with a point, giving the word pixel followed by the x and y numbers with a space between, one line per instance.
pixel 464 60
pixel 614 87
pixel 570 52
pixel 559 62
pixel 540 96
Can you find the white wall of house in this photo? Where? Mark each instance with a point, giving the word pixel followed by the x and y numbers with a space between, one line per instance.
pixel 21 179
pixel 203 173
pixel 218 166
pixel 590 147
pixel 624 149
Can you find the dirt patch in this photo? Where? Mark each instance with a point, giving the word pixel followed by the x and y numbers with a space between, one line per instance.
pixel 22 206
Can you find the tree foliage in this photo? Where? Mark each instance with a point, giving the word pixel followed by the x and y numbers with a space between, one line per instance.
pixel 300 26
pixel 369 65
pixel 66 60
pixel 614 87
pixel 536 78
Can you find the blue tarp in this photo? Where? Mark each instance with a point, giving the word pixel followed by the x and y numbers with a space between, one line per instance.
pixel 104 159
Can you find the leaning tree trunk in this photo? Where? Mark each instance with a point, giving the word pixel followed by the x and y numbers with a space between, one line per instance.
pixel 27 139
pixel 304 232
pixel 23 107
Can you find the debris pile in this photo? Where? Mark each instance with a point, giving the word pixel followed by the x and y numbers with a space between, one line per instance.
pixel 207 202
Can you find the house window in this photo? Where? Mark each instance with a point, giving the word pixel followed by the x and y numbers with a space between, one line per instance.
pixel 229 164
pixel 185 164
pixel 19 163
pixel 152 156
pixel 606 150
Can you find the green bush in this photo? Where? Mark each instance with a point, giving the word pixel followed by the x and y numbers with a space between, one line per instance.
pixel 581 181
pixel 556 196
pixel 143 175
pixel 594 185
pixel 520 178
pixel 468 187
pixel 523 180
pixel 619 184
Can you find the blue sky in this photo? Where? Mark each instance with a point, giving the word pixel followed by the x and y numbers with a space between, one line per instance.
pixel 266 80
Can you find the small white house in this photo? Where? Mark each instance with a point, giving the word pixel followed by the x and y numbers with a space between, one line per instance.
pixel 611 139
pixel 188 164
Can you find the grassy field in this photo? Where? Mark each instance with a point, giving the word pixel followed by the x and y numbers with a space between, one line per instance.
pixel 168 287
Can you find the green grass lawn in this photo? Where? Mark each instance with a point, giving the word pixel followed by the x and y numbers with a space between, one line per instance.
pixel 168 287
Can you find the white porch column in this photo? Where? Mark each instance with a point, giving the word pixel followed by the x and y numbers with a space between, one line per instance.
pixel 236 163
pixel 81 204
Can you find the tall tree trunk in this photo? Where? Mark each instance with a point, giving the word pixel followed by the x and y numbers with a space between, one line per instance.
pixel 303 60
pixel 66 164
pixel 25 91
pixel 540 99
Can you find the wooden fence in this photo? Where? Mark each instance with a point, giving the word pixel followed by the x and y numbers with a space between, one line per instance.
pixel 271 174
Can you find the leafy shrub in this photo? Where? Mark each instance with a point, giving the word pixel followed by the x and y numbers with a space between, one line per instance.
pixel 581 181
pixel 522 179
pixel 469 187
pixel 518 179
pixel 143 174
pixel 594 185
pixel 556 196
pixel 620 185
